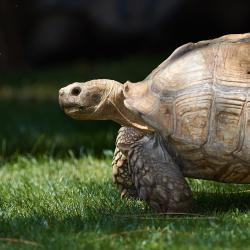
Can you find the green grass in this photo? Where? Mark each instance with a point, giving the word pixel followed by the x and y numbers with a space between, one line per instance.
pixel 72 204
pixel 56 189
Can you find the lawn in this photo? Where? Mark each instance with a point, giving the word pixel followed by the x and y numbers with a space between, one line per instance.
pixel 56 188
pixel 51 203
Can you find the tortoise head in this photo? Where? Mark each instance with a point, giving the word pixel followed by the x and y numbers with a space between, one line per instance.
pixel 98 100
pixel 88 100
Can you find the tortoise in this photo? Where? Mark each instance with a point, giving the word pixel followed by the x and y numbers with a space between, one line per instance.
pixel 189 118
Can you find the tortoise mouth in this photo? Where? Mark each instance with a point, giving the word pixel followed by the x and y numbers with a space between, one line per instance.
pixel 77 111
pixel 70 108
pixel 66 105
pixel 73 112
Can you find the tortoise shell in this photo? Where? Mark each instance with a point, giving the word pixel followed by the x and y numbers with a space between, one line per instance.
pixel 199 100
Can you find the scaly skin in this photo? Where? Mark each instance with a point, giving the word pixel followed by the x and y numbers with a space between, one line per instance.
pixel 142 168
pixel 157 178
pixel 127 136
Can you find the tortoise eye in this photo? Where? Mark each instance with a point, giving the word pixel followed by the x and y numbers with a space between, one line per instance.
pixel 76 91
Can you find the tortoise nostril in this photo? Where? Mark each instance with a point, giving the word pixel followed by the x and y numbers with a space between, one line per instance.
pixel 76 91
pixel 61 93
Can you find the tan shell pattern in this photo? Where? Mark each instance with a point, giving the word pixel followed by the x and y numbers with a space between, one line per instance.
pixel 205 107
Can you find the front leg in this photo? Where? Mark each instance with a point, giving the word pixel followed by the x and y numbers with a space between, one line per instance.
pixel 157 177
pixel 121 174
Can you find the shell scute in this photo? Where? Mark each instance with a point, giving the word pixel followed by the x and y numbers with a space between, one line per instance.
pixel 199 100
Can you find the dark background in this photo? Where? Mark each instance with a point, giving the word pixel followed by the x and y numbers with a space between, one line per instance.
pixel 41 32
pixel 47 44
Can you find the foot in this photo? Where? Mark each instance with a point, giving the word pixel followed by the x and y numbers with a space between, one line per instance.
pixel 158 180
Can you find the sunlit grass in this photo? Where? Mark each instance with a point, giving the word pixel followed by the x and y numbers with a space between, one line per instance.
pixel 72 204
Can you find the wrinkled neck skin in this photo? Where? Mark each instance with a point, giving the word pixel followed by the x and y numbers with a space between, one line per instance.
pixel 112 107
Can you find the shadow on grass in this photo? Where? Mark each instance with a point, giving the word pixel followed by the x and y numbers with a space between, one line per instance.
pixel 207 203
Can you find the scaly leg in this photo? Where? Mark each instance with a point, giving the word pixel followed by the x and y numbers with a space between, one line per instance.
pixel 157 177
pixel 121 175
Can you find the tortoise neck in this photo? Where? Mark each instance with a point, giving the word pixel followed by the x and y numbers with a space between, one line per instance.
pixel 120 114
